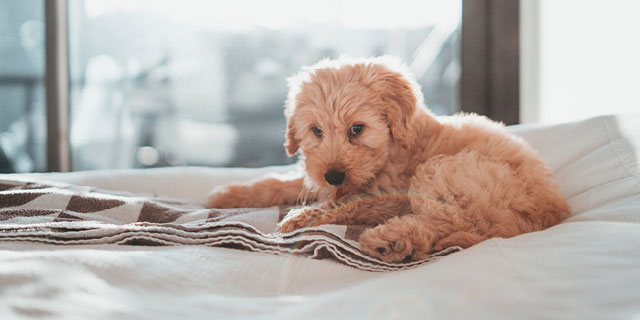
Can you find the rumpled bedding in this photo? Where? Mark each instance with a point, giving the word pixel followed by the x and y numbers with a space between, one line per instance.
pixel 63 214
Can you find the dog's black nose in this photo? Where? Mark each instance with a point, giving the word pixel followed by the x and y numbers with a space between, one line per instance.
pixel 335 178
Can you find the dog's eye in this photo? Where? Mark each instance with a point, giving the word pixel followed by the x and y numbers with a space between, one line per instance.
pixel 317 131
pixel 355 130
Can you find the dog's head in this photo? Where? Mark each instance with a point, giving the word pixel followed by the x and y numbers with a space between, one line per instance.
pixel 347 118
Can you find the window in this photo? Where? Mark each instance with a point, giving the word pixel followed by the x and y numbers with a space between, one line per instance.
pixel 156 83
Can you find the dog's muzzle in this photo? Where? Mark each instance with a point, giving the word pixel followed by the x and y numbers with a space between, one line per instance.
pixel 334 178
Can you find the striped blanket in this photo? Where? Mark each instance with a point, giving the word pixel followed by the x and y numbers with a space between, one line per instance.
pixel 63 214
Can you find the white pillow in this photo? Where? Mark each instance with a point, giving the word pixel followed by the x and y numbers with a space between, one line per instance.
pixel 596 163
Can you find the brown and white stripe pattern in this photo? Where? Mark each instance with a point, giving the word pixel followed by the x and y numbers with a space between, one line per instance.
pixel 63 214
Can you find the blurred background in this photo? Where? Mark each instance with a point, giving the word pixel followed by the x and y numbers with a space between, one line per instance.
pixel 156 83
pixel 195 82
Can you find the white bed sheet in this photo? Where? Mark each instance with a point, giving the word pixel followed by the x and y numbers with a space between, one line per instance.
pixel 585 268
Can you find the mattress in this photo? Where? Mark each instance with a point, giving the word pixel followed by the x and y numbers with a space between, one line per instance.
pixel 584 268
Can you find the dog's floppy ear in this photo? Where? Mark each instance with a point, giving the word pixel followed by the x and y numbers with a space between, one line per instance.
pixel 295 82
pixel 291 144
pixel 400 105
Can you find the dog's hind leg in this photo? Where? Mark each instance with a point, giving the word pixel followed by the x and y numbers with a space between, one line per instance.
pixel 402 238
pixel 413 236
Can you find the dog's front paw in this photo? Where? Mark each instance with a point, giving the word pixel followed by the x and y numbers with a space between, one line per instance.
pixel 389 246
pixel 301 218
pixel 233 196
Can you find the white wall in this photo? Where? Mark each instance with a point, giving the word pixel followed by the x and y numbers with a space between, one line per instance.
pixel 579 58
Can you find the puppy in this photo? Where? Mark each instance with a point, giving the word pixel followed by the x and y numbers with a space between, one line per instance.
pixel 373 154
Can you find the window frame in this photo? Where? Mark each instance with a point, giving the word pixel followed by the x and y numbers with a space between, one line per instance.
pixel 490 78
pixel 57 85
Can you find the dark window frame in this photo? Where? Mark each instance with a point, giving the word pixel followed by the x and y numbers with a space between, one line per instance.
pixel 490 79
